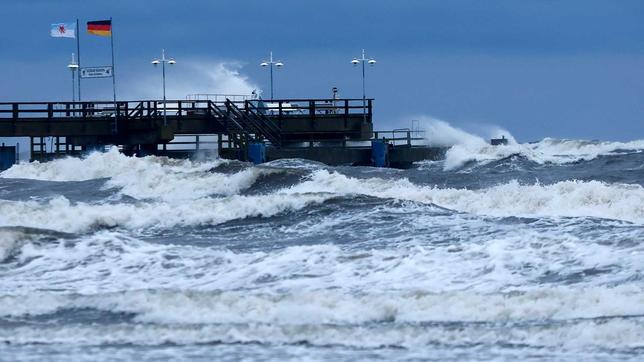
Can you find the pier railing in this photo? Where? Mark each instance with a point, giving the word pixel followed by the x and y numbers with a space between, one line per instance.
pixel 276 109
pixel 402 137
pixel 218 97
pixel 313 107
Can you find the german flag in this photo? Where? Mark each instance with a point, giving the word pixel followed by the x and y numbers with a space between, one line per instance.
pixel 100 27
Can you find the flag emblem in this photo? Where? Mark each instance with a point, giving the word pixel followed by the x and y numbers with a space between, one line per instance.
pixel 100 27
pixel 63 30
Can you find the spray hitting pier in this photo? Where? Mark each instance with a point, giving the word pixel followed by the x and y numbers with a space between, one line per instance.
pixel 332 131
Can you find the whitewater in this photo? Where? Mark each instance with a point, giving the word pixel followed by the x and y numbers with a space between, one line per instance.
pixel 524 251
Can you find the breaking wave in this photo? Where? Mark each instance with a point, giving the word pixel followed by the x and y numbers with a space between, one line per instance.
pixel 60 214
pixel 578 336
pixel 466 147
pixel 143 178
pixel 579 318
pixel 567 198
pixel 165 306
pixel 169 206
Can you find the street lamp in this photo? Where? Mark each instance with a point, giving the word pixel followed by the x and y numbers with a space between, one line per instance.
pixel 371 62
pixel 163 61
pixel 73 66
pixel 270 63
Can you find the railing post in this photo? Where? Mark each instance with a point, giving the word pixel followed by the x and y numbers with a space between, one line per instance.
pixel 50 110
pixel 409 138
pixel 346 107
pixel 14 111
pixel 179 109
pixel 370 110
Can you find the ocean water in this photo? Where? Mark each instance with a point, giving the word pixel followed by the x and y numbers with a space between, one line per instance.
pixel 519 252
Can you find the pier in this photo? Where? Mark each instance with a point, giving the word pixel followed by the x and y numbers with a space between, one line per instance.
pixel 332 131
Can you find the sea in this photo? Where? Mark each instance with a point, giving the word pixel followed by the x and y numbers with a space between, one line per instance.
pixel 529 251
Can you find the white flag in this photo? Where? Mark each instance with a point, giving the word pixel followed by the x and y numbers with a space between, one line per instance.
pixel 63 30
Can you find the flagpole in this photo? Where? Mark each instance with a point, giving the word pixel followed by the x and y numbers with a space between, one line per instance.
pixel 116 124
pixel 79 59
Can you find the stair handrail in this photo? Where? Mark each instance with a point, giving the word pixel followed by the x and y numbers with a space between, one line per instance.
pixel 255 123
pixel 253 109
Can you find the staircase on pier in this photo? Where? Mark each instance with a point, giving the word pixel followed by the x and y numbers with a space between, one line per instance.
pixel 245 125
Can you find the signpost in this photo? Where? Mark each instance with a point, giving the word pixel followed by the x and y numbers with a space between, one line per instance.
pixel 96 72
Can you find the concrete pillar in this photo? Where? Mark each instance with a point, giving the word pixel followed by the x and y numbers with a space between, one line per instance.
pixel 147 150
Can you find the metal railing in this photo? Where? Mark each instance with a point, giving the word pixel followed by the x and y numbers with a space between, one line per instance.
pixel 312 107
pixel 278 109
pixel 218 98
pixel 402 137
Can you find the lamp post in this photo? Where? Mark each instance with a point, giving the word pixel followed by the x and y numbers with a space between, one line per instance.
pixel 362 61
pixel 163 61
pixel 73 66
pixel 269 63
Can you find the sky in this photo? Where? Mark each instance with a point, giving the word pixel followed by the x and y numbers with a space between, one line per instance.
pixel 537 68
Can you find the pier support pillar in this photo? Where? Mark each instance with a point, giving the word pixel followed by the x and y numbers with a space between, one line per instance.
pixel 257 152
pixel 7 157
pixel 129 150
pixel 147 150
pixel 380 153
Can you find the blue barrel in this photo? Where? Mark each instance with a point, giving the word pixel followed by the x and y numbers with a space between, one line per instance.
pixel 257 153
pixel 379 153
pixel 7 156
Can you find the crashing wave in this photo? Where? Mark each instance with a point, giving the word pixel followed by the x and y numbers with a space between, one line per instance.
pixel 465 147
pixel 143 178
pixel 12 238
pixel 562 199
pixel 566 198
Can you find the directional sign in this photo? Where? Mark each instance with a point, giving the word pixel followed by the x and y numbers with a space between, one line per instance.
pixel 96 72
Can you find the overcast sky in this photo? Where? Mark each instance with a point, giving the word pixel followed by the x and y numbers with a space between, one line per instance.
pixel 563 69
